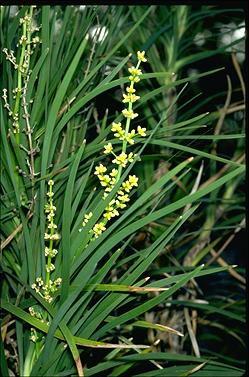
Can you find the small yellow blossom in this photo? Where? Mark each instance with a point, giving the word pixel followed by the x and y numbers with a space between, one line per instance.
pixel 129 114
pixel 55 237
pixel 120 135
pixel 46 236
pixel 135 71
pixel 52 226
pixel 58 281
pixel 130 136
pixel 87 218
pixel 100 169
pixel 126 186
pixel 130 89
pixel 121 160
pixel 141 131
pixel 134 78
pixel 119 132
pixel 133 180
pixel 108 215
pixel 130 98
pixel 130 157
pixel 98 229
pixel 50 268
pixel 116 127
pixel 114 172
pixel 140 56
pixel 108 148
pixel 104 180
pixel 122 196
pixel 50 182
pixel 120 205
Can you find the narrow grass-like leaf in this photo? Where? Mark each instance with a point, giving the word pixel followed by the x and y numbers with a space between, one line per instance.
pixel 66 221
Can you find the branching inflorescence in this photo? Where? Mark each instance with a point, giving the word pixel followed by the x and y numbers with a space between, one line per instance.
pixel 127 137
pixel 27 43
pixel 20 109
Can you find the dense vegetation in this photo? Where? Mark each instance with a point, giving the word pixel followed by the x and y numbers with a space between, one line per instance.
pixel 122 191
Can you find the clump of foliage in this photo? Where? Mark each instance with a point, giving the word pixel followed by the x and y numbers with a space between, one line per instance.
pixel 112 272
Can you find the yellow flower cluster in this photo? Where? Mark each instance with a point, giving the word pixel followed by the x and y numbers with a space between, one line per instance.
pixel 126 136
pixel 46 290
pixel 49 287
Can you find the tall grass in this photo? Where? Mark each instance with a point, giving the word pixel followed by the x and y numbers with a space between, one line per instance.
pixel 129 300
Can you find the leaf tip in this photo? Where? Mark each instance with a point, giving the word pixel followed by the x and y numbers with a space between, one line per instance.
pixel 190 159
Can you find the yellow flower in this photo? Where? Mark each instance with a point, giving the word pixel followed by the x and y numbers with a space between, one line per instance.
pixel 130 89
pixel 130 98
pixel 114 172
pixel 123 197
pixel 100 169
pixel 126 186
pixel 119 132
pixel 113 181
pixel 108 215
pixel 141 131
pixel 55 237
pixel 50 182
pixel 116 127
pixel 98 229
pixel 130 136
pixel 87 218
pixel 115 212
pixel 133 180
pixel 104 180
pixel 108 148
pixel 120 205
pixel 134 78
pixel 130 157
pixel 129 114
pixel 110 212
pixel 121 160
pixel 135 71
pixel 120 135
pixel 140 56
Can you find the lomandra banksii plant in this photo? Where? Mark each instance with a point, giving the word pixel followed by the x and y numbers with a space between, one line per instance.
pixel 127 136
pixel 93 204
pixel 48 287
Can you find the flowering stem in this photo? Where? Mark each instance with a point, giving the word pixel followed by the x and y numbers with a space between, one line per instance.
pixel 26 34
pixel 127 127
pixel 51 234
pixel 112 180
